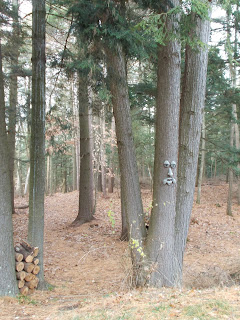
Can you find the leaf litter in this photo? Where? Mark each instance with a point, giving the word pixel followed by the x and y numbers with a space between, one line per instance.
pixel 89 268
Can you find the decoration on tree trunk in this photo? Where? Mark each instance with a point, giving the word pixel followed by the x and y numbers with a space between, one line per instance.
pixel 27 267
pixel 169 180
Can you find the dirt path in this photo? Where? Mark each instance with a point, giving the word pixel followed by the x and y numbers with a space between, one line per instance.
pixel 88 264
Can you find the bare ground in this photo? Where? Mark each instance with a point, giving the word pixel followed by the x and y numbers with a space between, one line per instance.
pixel 89 268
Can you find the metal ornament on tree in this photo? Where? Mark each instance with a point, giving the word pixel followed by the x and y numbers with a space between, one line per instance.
pixel 169 180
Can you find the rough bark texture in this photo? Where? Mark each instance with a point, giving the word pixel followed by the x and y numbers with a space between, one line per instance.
pixel 111 164
pixel 8 282
pixel 85 213
pixel 192 103
pixel 37 148
pixel 130 191
pixel 124 233
pixel 202 164
pixel 160 240
pixel 13 95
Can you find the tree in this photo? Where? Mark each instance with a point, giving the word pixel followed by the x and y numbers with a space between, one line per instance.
pixel 130 187
pixel 160 239
pixel 14 54
pixel 37 149
pixel 86 208
pixel 8 283
pixel 192 104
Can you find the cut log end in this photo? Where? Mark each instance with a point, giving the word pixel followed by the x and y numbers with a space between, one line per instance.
pixel 19 266
pixel 24 290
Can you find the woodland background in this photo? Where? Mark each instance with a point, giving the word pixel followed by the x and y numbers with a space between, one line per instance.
pixel 218 162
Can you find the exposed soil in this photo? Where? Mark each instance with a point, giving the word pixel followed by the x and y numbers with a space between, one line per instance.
pixel 89 267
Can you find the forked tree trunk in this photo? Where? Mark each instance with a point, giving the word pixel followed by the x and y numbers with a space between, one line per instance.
pixel 192 104
pixel 86 205
pixel 37 149
pixel 8 282
pixel 130 190
pixel 160 239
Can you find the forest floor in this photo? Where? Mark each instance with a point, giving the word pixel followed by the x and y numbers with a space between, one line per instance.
pixel 89 268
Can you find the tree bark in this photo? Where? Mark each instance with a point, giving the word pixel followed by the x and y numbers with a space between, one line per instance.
pixel 111 165
pixel 202 163
pixel 230 175
pixel 192 104
pixel 8 282
pixel 160 240
pixel 13 95
pixel 37 149
pixel 131 195
pixel 86 207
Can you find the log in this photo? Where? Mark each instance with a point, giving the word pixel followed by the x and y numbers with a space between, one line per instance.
pixel 27 246
pixel 28 267
pixel 35 251
pixel 24 290
pixel 36 270
pixel 21 284
pixel 27 256
pixel 32 284
pixel 18 256
pixel 29 276
pixel 21 207
pixel 35 261
pixel 21 275
pixel 19 266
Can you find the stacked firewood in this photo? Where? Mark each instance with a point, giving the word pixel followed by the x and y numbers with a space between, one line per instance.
pixel 27 267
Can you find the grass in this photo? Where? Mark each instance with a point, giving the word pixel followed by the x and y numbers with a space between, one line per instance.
pixel 26 300
pixel 215 309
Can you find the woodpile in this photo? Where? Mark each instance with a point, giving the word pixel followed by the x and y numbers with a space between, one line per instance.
pixel 27 267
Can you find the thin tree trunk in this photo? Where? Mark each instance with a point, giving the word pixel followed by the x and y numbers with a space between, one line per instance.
pixel 130 190
pixel 192 104
pixel 111 165
pixel 37 150
pixel 13 96
pixel 8 282
pixel 86 205
pixel 202 164
pixel 26 187
pixel 48 175
pixel 102 151
pixel 75 135
pixel 230 175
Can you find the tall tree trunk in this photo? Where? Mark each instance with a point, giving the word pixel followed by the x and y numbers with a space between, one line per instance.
pixel 160 240
pixel 202 163
pixel 111 165
pixel 8 282
pixel 13 95
pixel 37 149
pixel 75 135
pixel 234 130
pixel 86 205
pixel 131 195
pixel 192 104
pixel 102 151
pixel 230 175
